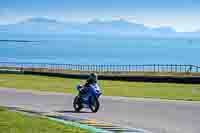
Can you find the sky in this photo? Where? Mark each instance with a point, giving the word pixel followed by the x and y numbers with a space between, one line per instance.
pixel 183 15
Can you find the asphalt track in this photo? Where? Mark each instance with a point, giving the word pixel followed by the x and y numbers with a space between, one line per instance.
pixel 157 116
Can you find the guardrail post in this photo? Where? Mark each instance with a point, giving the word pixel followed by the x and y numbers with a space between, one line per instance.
pixel 21 69
pixel 197 69
pixel 91 68
pixel 171 68
pixel 176 68
pixel 96 68
pixel 185 68
pixel 191 68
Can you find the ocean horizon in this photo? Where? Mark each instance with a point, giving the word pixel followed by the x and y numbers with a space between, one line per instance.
pixel 99 50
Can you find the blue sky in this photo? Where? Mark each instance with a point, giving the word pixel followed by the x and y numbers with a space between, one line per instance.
pixel 183 15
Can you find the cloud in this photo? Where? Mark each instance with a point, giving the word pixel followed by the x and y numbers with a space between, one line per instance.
pixel 181 14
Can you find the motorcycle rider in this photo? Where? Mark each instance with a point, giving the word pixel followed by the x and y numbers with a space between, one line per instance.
pixel 92 80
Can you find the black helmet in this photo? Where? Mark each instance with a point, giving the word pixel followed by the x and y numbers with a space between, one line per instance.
pixel 94 77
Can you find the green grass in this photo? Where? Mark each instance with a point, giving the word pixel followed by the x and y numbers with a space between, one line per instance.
pixel 110 88
pixel 14 122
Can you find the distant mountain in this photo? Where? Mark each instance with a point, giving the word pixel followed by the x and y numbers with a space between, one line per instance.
pixel 96 27
pixel 123 27
pixel 40 20
pixel 164 30
pixel 38 26
pixel 46 20
pixel 116 27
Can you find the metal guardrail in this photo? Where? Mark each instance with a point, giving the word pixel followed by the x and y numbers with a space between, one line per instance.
pixel 99 68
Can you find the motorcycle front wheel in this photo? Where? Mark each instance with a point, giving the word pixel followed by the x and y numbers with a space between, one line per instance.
pixel 77 104
pixel 94 104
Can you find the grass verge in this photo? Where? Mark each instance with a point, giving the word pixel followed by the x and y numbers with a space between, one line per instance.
pixel 110 88
pixel 14 122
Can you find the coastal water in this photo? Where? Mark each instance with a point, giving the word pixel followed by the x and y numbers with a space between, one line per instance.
pixel 99 50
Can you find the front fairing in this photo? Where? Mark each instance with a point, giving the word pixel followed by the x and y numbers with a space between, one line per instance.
pixel 93 90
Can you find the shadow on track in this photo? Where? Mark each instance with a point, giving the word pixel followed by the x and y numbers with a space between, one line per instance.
pixel 72 111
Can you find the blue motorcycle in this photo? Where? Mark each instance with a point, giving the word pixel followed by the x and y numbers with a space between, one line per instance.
pixel 87 98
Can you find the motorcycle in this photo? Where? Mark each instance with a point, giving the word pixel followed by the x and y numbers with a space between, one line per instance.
pixel 87 98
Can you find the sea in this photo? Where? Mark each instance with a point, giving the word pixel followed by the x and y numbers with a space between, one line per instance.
pixel 80 49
